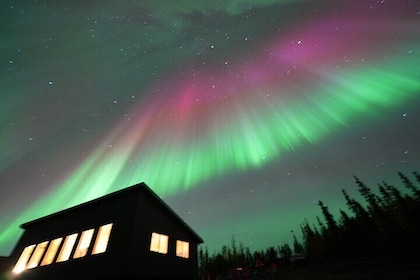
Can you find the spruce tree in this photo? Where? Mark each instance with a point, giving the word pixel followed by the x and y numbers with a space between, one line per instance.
pixel 409 185
pixel 331 224
pixel 370 197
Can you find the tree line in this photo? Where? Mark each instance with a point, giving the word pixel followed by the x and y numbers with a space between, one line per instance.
pixel 385 223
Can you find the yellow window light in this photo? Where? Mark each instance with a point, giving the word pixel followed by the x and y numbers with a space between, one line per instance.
pixel 101 242
pixel 23 259
pixel 51 251
pixel 84 243
pixel 67 247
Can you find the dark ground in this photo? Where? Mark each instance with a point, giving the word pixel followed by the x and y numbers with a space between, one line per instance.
pixel 355 270
pixel 363 269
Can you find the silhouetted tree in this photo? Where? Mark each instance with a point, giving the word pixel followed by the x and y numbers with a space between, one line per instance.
pixel 389 225
pixel 409 185
pixel 271 254
pixel 321 226
pixel 203 261
pixel 417 175
pixel 285 251
pixel 297 246
pixel 313 243
pixel 386 200
pixel 331 224
pixel 369 196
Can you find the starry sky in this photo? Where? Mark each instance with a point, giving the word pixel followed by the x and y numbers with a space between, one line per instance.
pixel 239 114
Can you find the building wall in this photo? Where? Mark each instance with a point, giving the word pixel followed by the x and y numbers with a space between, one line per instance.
pixel 119 211
pixel 152 217
pixel 135 215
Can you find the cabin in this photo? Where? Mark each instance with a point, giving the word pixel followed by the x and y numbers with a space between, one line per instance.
pixel 128 234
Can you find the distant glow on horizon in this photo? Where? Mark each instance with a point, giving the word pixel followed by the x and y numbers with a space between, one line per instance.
pixel 298 87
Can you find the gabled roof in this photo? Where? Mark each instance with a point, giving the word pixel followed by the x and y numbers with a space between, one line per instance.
pixel 138 188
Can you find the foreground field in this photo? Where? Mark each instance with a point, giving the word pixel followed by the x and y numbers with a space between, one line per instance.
pixel 356 270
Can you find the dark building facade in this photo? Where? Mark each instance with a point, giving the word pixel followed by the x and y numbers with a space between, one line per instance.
pixel 128 234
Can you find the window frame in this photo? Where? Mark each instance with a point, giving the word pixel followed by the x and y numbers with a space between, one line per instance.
pixel 37 254
pixel 61 249
pixel 67 247
pixel 102 239
pixel 182 249
pixel 52 251
pixel 23 259
pixel 159 243
pixel 84 243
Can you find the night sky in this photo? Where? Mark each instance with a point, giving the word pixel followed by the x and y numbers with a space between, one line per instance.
pixel 240 115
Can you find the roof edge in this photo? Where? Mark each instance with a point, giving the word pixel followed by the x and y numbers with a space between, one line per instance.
pixel 135 187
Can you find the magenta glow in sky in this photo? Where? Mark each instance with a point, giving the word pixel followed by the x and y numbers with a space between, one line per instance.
pixel 241 118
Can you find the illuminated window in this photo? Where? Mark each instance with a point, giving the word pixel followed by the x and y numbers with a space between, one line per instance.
pixel 159 243
pixel 102 239
pixel 52 251
pixel 182 249
pixel 23 259
pixel 84 243
pixel 37 255
pixel 67 247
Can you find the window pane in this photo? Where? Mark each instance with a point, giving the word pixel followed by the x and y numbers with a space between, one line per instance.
pixel 23 259
pixel 52 251
pixel 159 243
pixel 37 255
pixel 102 239
pixel 84 243
pixel 163 244
pixel 182 249
pixel 154 242
pixel 67 248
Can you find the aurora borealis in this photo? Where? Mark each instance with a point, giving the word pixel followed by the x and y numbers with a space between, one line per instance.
pixel 241 115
